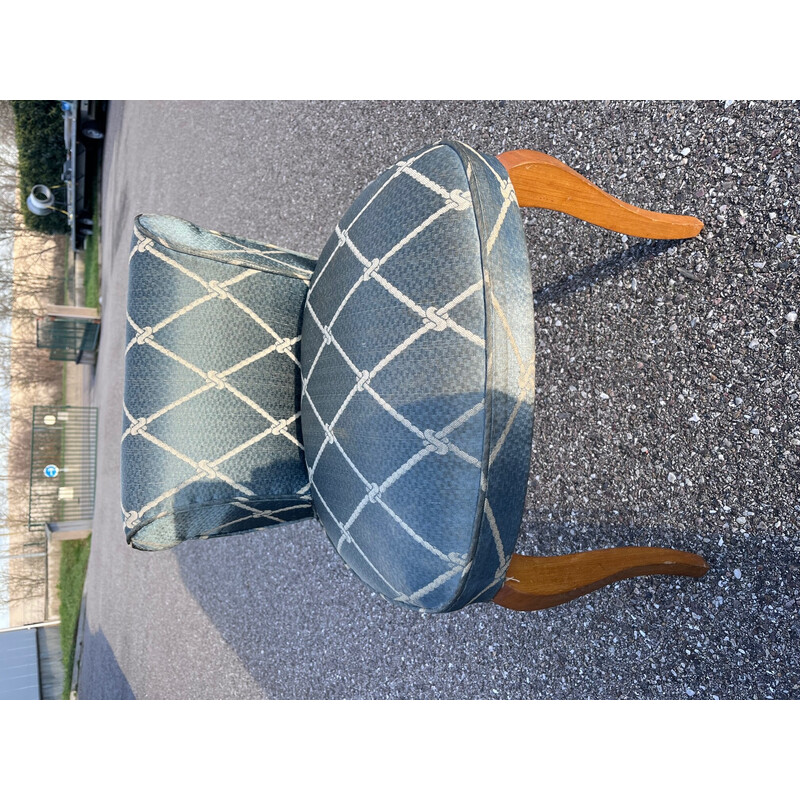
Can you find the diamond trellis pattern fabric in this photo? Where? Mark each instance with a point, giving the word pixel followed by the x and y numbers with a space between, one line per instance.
pixel 211 440
pixel 418 375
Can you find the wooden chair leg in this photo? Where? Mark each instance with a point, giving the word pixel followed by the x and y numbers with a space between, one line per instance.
pixel 534 582
pixel 541 181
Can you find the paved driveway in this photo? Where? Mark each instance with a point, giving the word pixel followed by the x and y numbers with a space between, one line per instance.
pixel 667 413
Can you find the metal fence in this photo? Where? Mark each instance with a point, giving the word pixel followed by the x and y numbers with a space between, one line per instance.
pixel 68 339
pixel 63 464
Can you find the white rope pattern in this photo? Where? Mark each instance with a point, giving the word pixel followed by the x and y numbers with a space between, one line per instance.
pixel 433 321
pixel 146 336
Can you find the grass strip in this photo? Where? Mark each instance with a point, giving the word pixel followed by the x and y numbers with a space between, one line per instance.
pixel 67 251
pixel 72 573
pixel 91 263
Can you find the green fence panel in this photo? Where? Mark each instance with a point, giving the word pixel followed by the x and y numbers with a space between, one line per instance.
pixel 67 339
pixel 63 464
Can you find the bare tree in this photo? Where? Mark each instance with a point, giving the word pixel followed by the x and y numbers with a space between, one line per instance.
pixel 25 578
pixel 28 282
pixel 31 281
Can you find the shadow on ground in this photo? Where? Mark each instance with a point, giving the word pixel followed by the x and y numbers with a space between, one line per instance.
pixel 323 634
pixel 114 685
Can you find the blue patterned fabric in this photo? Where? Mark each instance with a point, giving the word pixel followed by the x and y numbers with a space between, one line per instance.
pixel 418 373
pixel 416 391
pixel 211 439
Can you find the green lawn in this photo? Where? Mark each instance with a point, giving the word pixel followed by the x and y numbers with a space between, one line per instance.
pixel 74 560
pixel 75 554
pixel 67 252
pixel 91 273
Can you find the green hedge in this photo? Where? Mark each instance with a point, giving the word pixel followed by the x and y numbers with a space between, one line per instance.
pixel 41 156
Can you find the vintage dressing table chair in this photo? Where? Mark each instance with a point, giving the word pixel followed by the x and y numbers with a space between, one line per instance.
pixel 385 387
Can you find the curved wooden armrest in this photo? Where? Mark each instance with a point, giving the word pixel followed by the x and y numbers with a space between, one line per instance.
pixel 541 181
pixel 536 582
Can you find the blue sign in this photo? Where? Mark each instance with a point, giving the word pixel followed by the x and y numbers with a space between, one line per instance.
pixel 50 471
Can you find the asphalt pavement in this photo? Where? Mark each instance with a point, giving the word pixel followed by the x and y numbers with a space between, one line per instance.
pixel 667 414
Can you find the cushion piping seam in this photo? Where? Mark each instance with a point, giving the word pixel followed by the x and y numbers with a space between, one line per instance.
pixel 488 384
pixel 299 273
pixel 261 499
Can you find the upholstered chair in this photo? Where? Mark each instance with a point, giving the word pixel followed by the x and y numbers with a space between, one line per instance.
pixel 385 388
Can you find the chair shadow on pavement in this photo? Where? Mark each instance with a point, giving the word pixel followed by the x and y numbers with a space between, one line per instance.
pixel 304 626
pixel 108 680
pixel 598 271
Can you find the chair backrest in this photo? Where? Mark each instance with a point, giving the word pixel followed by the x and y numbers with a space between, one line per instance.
pixel 211 440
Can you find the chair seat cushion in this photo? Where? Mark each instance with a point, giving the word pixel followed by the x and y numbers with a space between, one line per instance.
pixel 417 364
pixel 211 440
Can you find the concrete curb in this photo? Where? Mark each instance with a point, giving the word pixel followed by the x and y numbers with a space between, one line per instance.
pixel 76 664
